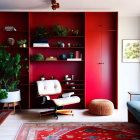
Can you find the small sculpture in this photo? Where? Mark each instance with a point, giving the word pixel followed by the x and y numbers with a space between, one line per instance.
pixel 11 41
pixel 9 28
pixel 42 77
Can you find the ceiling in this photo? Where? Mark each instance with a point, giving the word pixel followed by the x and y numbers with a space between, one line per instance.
pixel 124 7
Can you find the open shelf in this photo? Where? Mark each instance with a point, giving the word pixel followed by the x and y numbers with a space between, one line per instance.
pixel 17 31
pixel 57 61
pixel 15 47
pixel 57 47
pixel 73 89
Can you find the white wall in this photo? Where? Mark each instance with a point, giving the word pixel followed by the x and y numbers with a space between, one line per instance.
pixel 128 73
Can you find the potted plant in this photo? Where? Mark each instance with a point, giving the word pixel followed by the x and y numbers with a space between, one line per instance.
pixel 22 43
pixel 41 32
pixel 71 54
pixel 37 57
pixel 9 73
pixel 75 32
pixel 60 44
pixel 59 30
pixel 42 77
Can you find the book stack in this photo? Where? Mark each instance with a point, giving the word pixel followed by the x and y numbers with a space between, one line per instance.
pixel 41 43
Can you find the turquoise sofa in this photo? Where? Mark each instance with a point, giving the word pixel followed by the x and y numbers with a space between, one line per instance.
pixel 134 109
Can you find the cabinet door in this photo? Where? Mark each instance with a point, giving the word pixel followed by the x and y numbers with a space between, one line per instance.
pixel 92 59
pixel 100 58
pixel 92 66
pixel 108 66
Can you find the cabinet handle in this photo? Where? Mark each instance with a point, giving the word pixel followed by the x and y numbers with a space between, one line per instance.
pixel 101 63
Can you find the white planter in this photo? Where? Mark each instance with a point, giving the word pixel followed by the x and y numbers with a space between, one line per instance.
pixel 13 96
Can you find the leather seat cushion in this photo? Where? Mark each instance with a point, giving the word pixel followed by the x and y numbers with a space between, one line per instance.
pixel 66 101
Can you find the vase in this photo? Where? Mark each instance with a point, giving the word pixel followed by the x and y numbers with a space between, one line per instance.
pixel 63 57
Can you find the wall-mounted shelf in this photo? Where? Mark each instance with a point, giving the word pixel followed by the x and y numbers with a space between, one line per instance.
pixel 57 47
pixel 57 61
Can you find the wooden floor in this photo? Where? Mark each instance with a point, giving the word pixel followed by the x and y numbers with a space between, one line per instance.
pixel 12 124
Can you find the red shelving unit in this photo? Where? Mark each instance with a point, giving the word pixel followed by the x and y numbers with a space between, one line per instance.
pixel 20 21
pixel 57 68
pixel 98 44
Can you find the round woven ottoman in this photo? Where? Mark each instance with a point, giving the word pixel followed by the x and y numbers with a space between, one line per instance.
pixel 101 107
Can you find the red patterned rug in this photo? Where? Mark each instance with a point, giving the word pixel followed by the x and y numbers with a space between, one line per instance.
pixel 42 131
pixel 3 115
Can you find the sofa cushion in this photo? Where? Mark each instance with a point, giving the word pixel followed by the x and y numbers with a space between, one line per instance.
pixel 134 108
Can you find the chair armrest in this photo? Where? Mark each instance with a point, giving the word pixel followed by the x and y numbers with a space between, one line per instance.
pixel 67 94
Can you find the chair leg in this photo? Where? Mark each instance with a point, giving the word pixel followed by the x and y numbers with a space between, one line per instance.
pixel 47 113
pixel 57 111
pixel 63 112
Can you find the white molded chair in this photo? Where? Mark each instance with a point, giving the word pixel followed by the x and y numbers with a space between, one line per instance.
pixel 46 88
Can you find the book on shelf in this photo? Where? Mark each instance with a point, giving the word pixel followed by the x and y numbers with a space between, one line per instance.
pixel 74 59
pixel 41 45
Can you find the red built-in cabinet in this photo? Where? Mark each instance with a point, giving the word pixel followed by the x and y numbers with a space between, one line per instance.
pixel 101 56
pixel 94 77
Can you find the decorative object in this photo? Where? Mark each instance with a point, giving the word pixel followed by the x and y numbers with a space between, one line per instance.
pixel 67 83
pixel 60 44
pixel 22 43
pixel 37 57
pixel 42 77
pixel 9 73
pixel 52 77
pixel 55 5
pixel 77 54
pixel 75 32
pixel 11 41
pixel 67 77
pixel 72 77
pixel 9 28
pixel 71 54
pixel 69 45
pixel 131 50
pixel 3 115
pixel 59 30
pixel 101 107
pixel 72 83
pixel 78 131
pixel 63 57
pixel 72 87
pixel 77 45
pixel 51 58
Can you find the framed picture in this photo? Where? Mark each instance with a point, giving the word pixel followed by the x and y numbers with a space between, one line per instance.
pixel 131 50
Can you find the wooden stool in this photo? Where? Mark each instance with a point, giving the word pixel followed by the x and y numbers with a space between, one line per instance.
pixel 12 104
